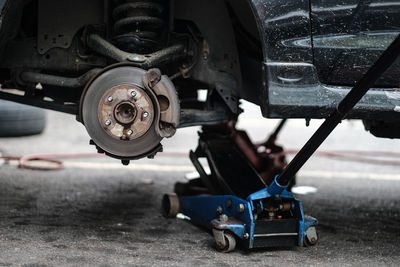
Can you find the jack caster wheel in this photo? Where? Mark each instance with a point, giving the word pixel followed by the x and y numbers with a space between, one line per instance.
pixel 170 205
pixel 225 241
pixel 311 237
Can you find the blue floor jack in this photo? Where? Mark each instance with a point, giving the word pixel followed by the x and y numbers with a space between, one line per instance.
pixel 237 205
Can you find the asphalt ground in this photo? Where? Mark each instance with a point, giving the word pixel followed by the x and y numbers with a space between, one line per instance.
pixel 96 212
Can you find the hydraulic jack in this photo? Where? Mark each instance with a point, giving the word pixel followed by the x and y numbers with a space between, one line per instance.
pixel 237 204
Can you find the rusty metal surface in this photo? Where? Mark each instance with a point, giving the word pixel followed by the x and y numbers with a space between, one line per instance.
pixel 167 99
pixel 267 158
pixel 123 108
pixel 126 112
pixel 121 141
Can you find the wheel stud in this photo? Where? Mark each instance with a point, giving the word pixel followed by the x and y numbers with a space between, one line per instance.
pixel 108 122
pixel 110 99
pixel 145 114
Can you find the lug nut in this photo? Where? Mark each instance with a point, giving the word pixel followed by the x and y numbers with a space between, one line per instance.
pixel 108 122
pixel 129 132
pixel 145 114
pixel 110 99
pixel 133 93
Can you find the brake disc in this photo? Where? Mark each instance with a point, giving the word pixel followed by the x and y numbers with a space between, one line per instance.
pixel 122 113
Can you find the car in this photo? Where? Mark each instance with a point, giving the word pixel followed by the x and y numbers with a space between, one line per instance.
pixel 131 70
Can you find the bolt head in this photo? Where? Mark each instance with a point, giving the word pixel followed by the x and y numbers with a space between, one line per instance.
pixel 107 122
pixel 110 99
pixel 246 236
pixel 129 132
pixel 145 114
pixel 240 207
pixel 223 218
pixel 133 93
pixel 219 210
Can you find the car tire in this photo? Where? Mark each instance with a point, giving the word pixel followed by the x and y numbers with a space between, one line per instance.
pixel 20 120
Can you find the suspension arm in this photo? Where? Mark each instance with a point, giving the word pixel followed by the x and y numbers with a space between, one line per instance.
pixel 105 48
pixel 34 77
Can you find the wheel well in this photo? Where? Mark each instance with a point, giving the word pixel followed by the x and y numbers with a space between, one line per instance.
pixel 230 30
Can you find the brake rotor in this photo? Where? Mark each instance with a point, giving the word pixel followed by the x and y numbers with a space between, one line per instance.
pixel 121 115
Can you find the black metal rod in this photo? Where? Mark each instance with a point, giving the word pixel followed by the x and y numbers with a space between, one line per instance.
pixel 344 107
pixel 71 109
pixel 61 81
pixel 279 127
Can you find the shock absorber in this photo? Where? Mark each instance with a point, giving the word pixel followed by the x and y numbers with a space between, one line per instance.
pixel 140 25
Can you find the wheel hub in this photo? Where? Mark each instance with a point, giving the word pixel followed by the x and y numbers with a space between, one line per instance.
pixel 126 111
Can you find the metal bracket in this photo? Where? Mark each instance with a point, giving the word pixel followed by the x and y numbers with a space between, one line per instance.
pixel 168 101
pixel 227 95
pixel 54 30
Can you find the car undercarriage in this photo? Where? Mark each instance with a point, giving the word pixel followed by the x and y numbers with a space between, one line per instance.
pixel 131 70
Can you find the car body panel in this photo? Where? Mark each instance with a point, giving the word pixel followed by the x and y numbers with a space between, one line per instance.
pixel 292 87
pixel 349 36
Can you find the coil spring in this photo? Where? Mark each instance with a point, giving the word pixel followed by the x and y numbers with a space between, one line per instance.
pixel 139 25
